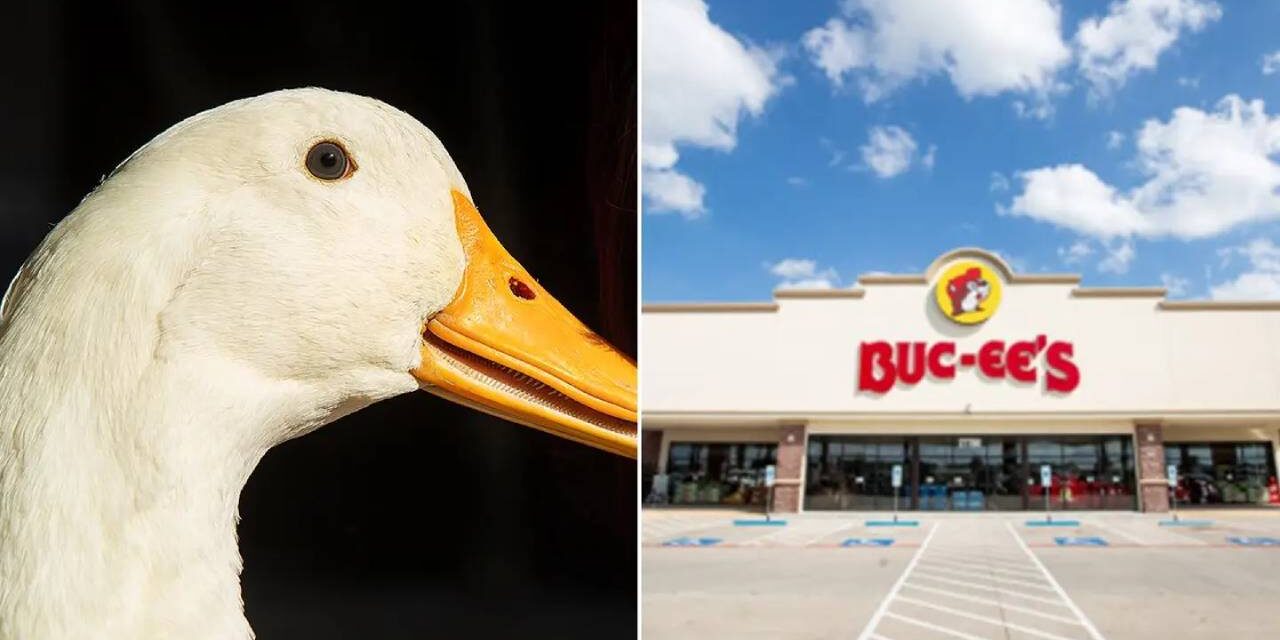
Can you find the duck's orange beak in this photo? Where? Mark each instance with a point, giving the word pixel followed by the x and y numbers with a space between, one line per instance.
pixel 506 347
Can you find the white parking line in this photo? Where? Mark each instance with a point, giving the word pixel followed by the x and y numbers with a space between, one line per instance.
pixel 1106 527
pixel 932 627
pixel 995 579
pixel 981 618
pixel 990 560
pixel 842 527
pixel 961 583
pixel 1093 631
pixel 1028 572
pixel 656 529
pixel 953 582
pixel 997 603
pixel 897 586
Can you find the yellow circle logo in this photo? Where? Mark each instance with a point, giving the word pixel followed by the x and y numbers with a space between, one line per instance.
pixel 968 292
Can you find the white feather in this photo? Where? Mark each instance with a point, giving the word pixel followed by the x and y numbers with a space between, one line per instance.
pixel 209 300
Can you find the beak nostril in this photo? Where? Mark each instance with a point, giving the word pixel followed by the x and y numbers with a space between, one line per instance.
pixel 520 289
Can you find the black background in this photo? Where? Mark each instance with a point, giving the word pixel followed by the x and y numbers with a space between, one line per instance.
pixel 413 517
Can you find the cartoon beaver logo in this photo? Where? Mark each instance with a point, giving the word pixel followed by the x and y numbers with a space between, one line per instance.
pixel 968 292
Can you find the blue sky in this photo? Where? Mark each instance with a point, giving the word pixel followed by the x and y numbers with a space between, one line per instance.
pixel 805 143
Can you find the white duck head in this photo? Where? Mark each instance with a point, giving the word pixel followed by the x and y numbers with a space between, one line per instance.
pixel 254 272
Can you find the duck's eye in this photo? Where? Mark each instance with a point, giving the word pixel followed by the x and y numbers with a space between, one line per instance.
pixel 328 161
pixel 520 289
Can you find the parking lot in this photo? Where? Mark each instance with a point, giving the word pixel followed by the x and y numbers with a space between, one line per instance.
pixel 1115 575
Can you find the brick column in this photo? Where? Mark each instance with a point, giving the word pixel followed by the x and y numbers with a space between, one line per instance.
pixel 1153 485
pixel 787 490
pixel 650 450
pixel 650 460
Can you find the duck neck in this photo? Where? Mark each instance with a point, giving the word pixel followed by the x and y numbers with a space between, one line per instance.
pixel 119 512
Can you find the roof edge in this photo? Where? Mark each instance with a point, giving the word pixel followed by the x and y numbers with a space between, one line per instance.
pixel 709 307
pixel 819 293
pixel 1119 292
pixel 893 278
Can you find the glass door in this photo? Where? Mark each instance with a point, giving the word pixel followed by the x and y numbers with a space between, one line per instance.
pixel 855 472
pixel 976 473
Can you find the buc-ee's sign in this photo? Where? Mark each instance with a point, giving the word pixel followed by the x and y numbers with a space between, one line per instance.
pixel 968 293
pixel 882 365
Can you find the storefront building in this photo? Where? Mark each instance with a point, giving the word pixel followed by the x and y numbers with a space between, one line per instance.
pixel 971 377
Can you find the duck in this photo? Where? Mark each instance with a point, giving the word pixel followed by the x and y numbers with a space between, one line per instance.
pixel 253 273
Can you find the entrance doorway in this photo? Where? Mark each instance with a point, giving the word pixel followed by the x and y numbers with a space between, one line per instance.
pixel 970 473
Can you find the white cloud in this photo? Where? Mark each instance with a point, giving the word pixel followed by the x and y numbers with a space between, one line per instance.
pixel 930 157
pixel 1119 256
pixel 837 47
pixel 1271 63
pixel 889 150
pixel 793 268
pixel 803 273
pixel 1040 109
pixel 1072 196
pixel 1175 286
pixel 991 47
pixel 808 283
pixel 1131 37
pixel 1114 139
pixel 797 181
pixel 1261 281
pixel 985 47
pixel 1189 82
pixel 1204 172
pixel 668 190
pixel 1075 253
pixel 1252 285
pixel 999 183
pixel 699 82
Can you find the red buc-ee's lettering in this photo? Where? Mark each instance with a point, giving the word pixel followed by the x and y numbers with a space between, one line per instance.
pixel 882 365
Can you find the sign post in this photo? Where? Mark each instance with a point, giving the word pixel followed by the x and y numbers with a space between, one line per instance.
pixel 1171 474
pixel 1046 482
pixel 770 477
pixel 897 483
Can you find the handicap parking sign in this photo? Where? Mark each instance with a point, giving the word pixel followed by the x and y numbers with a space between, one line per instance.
pixel 1085 541
pixel 1254 541
pixel 867 542
pixel 692 542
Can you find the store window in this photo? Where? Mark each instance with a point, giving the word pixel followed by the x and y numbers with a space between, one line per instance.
pixel 970 472
pixel 718 473
pixel 1089 472
pixel 851 472
pixel 1228 473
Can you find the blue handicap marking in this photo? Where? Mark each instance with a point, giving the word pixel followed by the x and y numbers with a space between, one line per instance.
pixel 1085 541
pixel 1254 542
pixel 867 542
pixel 692 542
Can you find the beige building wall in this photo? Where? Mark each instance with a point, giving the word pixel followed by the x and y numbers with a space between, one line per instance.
pixel 1202 370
